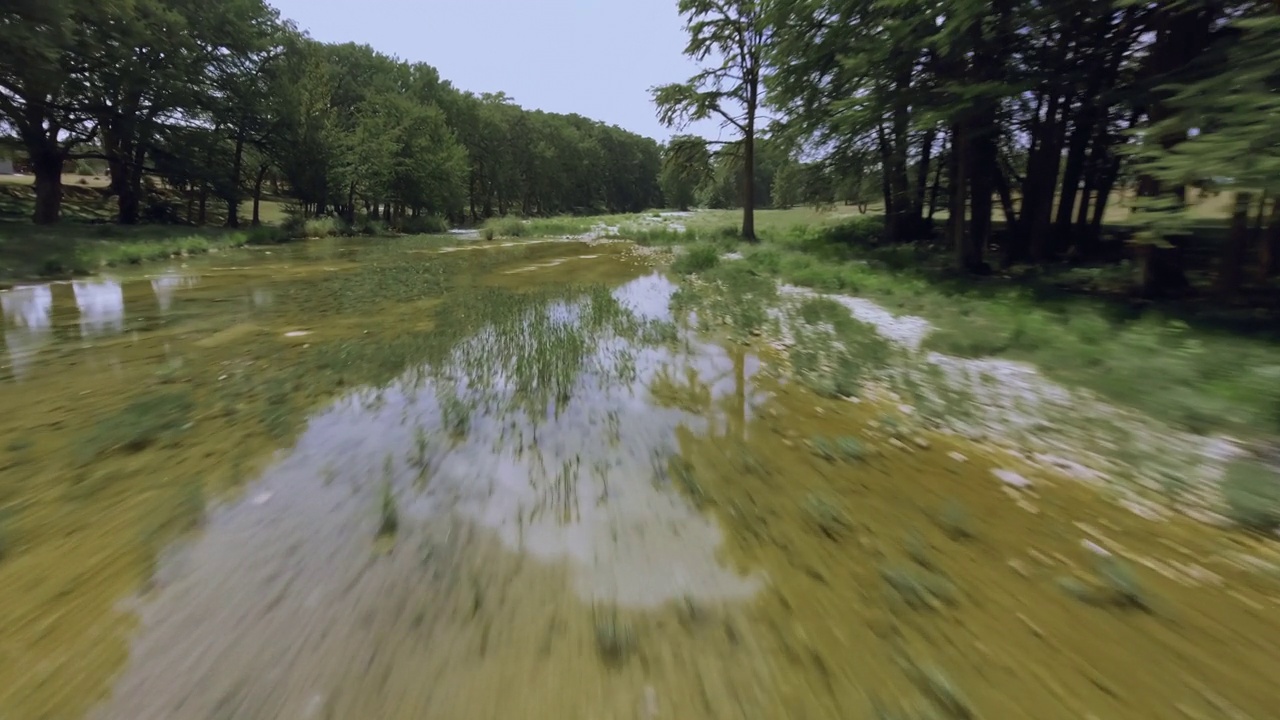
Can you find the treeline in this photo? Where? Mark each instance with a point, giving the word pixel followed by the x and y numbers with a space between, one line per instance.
pixel 223 100
pixel 1020 119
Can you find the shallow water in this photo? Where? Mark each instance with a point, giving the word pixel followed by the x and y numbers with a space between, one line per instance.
pixel 358 482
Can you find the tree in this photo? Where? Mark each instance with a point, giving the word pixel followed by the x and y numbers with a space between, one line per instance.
pixel 729 36
pixel 686 166
pixel 49 52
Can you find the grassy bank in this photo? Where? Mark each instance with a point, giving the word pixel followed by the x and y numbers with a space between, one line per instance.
pixel 1198 365
pixel 28 251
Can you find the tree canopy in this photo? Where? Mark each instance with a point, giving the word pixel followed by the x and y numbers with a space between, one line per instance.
pixel 216 98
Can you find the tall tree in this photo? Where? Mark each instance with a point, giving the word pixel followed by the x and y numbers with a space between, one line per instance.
pixel 728 37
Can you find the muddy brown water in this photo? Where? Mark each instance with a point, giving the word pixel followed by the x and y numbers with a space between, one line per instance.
pixel 595 513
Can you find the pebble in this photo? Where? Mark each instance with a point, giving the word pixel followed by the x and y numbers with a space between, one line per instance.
pixel 1009 477
pixel 261 498
pixel 1095 548
pixel 921 443
pixel 957 457
pixel 895 442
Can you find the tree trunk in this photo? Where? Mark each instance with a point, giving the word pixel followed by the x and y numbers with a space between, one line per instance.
pixel 922 171
pixel 981 171
pixel 233 199
pixel 47 166
pixel 1231 266
pixel 257 194
pixel 1036 218
pixel 1006 201
pixel 1077 147
pixel 1269 249
pixel 886 189
pixel 933 192
pixel 204 202
pixel 968 255
pixel 749 161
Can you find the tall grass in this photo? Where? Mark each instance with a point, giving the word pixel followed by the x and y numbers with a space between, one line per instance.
pixel 697 258
pixel 514 227
pixel 1191 374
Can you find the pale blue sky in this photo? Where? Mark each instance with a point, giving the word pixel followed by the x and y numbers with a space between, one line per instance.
pixel 596 58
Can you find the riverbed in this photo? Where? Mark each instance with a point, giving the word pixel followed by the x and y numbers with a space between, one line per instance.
pixel 382 480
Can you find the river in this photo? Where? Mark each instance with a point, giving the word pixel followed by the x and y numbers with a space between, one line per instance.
pixel 393 480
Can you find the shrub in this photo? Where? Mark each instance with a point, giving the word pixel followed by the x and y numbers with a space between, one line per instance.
pixel 373 228
pixel 489 233
pixel 267 235
pixel 506 227
pixel 425 225
pixel 697 258
pixel 321 227
pixel 1252 492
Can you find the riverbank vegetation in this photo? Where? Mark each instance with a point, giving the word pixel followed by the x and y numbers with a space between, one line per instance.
pixel 1008 131
pixel 199 113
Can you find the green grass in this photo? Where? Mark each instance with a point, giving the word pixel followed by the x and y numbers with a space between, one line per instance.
pixel 1164 360
pixel 1252 493
pixel 514 227
pixel 151 419
pixel 696 259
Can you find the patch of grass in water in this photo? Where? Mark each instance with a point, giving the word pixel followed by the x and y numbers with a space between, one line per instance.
pixel 824 448
pixel 917 548
pixel 696 259
pixel 1120 580
pixel 919 589
pixel 684 473
pixel 615 638
pixel 1252 493
pixel 388 514
pixel 158 417
pixel 8 518
pixel 827 516
pixel 851 448
pixel 956 521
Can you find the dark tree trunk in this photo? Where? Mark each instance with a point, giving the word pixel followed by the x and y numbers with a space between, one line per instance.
pixel 1006 201
pixel 749 160
pixel 257 194
pixel 886 188
pixel 233 198
pixel 1036 216
pixel 933 192
pixel 922 171
pixel 46 164
pixel 1077 147
pixel 1231 265
pixel 204 202
pixel 1269 262
pixel 982 169
pixel 968 253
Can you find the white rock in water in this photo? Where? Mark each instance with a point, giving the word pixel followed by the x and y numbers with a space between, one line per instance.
pixel 1009 477
pixel 1095 548
pixel 957 457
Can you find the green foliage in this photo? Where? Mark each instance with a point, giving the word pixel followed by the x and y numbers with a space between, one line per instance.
pixel 507 227
pixel 321 227
pixel 155 418
pixel 1252 492
pixel 696 259
pixel 423 225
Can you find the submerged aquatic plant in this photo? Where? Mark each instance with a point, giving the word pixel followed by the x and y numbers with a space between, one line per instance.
pixel 615 638
pixel 827 516
pixel 955 520
pixel 148 420
pixel 1252 492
